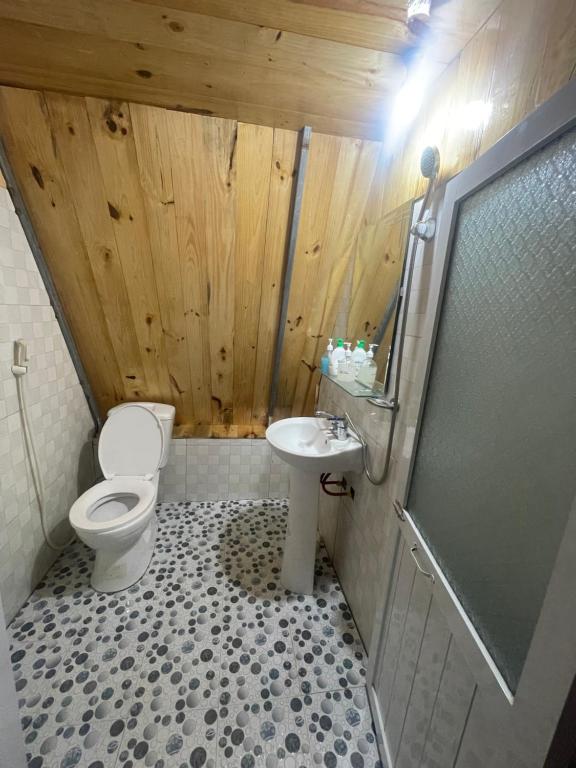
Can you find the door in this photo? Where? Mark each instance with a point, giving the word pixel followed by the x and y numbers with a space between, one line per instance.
pixel 477 649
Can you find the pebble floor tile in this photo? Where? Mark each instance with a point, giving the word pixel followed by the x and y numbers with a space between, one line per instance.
pixel 206 661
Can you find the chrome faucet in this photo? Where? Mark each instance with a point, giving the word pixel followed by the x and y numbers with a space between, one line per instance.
pixel 338 424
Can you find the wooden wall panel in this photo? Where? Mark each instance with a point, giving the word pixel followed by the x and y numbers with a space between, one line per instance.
pixel 520 57
pixel 284 154
pixel 77 154
pixel 253 158
pixel 166 235
pixel 190 174
pixel 320 179
pixel 113 137
pixel 29 142
pixel 152 142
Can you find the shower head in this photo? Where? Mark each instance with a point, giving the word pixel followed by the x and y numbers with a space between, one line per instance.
pixel 425 228
pixel 430 162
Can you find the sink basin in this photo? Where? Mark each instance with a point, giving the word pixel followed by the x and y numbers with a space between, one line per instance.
pixel 308 444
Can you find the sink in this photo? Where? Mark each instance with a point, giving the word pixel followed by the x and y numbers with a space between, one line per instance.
pixel 308 444
pixel 309 448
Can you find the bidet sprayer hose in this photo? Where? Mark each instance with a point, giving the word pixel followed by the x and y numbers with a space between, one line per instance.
pixel 19 372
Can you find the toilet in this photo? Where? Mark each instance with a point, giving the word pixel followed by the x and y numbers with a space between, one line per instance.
pixel 116 517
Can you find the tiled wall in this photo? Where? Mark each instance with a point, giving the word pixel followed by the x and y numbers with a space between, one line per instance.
pixel 58 412
pixel 214 470
pixel 355 531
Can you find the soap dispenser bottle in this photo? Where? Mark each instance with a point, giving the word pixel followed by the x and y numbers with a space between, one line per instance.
pixel 367 373
pixel 338 354
pixel 359 355
pixel 345 369
pixel 327 358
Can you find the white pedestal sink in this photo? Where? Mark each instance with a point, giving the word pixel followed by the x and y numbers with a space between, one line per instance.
pixel 308 445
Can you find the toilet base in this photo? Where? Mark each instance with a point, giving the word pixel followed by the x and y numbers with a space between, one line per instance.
pixel 117 569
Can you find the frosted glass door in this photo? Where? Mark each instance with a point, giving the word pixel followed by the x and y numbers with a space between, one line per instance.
pixel 494 476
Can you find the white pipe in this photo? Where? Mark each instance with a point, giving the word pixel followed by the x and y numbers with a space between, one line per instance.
pixel 19 371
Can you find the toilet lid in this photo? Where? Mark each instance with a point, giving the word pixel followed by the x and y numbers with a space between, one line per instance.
pixel 131 443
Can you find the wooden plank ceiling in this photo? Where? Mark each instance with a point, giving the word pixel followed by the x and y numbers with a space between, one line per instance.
pixel 331 64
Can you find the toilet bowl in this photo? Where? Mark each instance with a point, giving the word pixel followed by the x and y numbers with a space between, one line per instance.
pixel 117 517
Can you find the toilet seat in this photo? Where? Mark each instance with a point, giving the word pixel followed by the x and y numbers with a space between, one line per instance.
pixel 84 512
pixel 129 450
pixel 131 443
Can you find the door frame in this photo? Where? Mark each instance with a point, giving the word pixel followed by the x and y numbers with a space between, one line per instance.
pixel 523 723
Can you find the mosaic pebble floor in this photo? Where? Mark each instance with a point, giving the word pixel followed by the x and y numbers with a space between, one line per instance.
pixel 207 661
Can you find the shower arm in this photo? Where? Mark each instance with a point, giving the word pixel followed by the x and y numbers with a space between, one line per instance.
pixel 423 230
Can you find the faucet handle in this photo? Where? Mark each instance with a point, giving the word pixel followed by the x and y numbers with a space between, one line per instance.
pixel 326 415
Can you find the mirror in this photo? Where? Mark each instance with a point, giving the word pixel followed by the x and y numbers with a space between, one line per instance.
pixel 371 299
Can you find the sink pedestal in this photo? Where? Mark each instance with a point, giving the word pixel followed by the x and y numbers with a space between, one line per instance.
pixel 309 447
pixel 300 546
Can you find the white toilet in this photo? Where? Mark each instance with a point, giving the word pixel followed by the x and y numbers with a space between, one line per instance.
pixel 117 517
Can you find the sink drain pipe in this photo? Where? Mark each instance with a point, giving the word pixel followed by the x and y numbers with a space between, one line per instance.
pixel 325 480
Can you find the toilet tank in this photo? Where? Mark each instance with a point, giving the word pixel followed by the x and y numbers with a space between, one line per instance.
pixel 165 414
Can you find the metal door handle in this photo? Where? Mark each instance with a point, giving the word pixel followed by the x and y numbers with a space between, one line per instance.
pixel 413 550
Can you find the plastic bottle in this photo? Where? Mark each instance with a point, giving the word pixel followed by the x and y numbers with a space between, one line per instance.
pixel 367 373
pixel 338 354
pixel 346 370
pixel 359 355
pixel 326 358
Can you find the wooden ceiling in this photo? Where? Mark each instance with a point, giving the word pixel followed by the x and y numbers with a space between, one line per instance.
pixel 331 64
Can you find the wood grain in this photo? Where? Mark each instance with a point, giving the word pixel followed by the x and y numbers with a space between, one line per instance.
pixel 152 141
pixel 379 257
pixel 114 141
pixel 77 154
pixel 245 61
pixel 44 57
pixel 281 182
pixel 316 200
pixel 187 148
pixel 29 143
pixel 385 31
pixel 253 160
pixel 219 192
pixel 377 25
pixel 519 57
pixel 354 174
pixel 180 222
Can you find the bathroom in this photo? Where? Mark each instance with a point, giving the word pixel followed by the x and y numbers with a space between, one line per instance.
pixel 224 540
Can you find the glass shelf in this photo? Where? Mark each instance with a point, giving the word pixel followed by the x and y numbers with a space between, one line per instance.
pixel 355 389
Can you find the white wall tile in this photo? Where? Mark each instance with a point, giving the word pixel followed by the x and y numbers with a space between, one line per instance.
pixel 59 417
pixel 279 478
pixel 172 485
pixel 211 470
